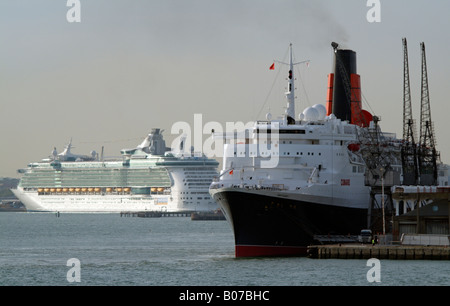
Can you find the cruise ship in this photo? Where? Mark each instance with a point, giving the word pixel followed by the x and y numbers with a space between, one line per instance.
pixel 150 177
pixel 284 181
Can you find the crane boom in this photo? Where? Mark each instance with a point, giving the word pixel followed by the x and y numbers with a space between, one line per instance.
pixel 427 146
pixel 409 148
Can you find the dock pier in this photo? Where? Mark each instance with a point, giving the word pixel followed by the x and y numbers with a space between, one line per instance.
pixel 195 215
pixel 358 251
pixel 154 214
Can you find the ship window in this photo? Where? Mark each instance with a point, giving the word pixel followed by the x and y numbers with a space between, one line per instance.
pixel 281 131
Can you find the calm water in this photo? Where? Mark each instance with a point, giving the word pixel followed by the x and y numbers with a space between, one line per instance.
pixel 35 248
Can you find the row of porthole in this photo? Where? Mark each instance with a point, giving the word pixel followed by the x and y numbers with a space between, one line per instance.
pixel 301 153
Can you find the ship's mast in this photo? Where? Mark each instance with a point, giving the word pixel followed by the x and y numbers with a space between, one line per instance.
pixel 290 93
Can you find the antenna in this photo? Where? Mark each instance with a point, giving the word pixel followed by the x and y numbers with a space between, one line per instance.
pixel 290 93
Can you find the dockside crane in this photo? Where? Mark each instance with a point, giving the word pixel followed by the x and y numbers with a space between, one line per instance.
pixel 427 154
pixel 409 147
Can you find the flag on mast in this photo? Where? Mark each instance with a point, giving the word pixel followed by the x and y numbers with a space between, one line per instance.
pixel 272 67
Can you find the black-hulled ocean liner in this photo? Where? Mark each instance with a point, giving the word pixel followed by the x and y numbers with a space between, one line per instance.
pixel 287 180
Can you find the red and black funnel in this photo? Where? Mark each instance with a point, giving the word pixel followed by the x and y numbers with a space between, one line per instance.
pixel 344 75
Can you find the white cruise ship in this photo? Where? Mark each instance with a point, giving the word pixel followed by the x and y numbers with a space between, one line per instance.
pixel 149 177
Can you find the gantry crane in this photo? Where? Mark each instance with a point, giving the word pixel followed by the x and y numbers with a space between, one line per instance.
pixel 427 153
pixel 409 147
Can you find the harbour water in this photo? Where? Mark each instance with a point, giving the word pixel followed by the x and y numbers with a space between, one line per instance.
pixel 173 251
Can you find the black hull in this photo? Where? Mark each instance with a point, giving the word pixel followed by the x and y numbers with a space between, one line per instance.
pixel 266 225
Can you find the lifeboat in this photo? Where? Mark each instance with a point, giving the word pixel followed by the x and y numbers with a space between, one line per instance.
pixel 127 189
pixel 97 189
pixel 108 189
pixel 65 189
pixel 40 190
pixel 119 189
pixel 353 147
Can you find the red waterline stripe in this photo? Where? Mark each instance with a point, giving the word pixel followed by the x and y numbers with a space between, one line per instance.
pixel 269 250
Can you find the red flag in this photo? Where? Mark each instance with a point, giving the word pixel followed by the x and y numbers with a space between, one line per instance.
pixel 272 67
pixel 231 172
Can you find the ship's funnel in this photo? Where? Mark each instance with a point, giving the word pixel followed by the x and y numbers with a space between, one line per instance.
pixel 341 105
pixel 344 89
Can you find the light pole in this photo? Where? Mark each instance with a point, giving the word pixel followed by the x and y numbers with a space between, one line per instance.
pixel 382 199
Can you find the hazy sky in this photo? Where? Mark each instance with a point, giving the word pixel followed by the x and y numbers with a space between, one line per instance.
pixel 131 65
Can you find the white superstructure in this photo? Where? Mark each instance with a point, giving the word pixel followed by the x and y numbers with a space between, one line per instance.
pixel 311 159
